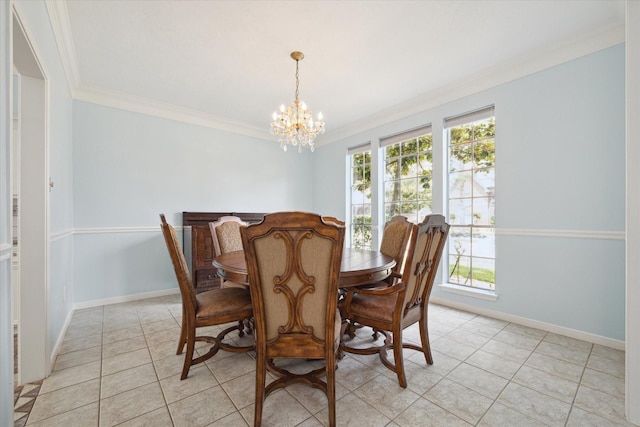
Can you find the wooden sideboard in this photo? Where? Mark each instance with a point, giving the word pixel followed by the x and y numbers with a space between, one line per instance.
pixel 198 246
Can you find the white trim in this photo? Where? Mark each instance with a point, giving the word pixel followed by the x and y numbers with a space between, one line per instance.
pixel 468 291
pixel 126 298
pixel 58 345
pixel 568 332
pixel 494 76
pixel 632 211
pixel 483 113
pixel 499 74
pixel 574 234
pixel 32 338
pixel 405 135
pixel 105 230
pixel 357 149
pixel 60 235
pixel 59 17
pixel 138 104
pixel 5 248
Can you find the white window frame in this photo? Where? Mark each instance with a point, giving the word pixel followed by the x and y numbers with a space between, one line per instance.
pixel 474 116
pixel 362 148
pixel 395 139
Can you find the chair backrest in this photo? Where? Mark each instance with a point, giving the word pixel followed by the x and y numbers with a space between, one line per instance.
pixel 189 301
pixel 333 220
pixel 424 259
pixel 225 233
pixel 395 241
pixel 293 262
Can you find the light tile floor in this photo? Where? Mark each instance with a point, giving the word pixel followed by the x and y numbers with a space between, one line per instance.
pixel 117 366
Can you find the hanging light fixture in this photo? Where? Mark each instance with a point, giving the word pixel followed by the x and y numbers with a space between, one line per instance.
pixel 295 123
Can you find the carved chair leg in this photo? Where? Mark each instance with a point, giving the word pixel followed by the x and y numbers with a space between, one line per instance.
pixel 398 358
pixel 188 357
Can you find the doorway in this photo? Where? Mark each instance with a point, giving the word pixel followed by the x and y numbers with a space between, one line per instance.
pixel 32 170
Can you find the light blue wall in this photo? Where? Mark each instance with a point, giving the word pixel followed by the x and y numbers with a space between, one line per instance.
pixel 560 151
pixel 130 167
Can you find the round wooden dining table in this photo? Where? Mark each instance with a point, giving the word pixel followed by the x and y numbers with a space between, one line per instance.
pixel 359 267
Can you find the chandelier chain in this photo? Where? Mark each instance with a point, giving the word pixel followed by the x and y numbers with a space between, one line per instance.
pixel 297 79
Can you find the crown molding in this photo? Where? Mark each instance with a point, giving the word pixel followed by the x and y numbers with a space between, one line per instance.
pixel 139 104
pixel 59 17
pixel 505 72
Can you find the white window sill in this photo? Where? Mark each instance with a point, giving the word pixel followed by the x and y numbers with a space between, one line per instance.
pixel 468 291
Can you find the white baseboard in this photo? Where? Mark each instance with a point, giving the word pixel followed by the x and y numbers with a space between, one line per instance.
pixel 572 333
pixel 126 298
pixel 96 303
pixel 56 348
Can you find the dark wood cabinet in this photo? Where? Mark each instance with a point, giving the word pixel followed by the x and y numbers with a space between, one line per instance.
pixel 198 246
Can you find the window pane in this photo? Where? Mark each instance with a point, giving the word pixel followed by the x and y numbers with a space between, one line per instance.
pixel 460 184
pixel 459 269
pixel 425 209
pixel 484 211
pixel 460 157
pixel 484 273
pixel 483 242
pixel 460 212
pixel 408 178
pixel 390 211
pixel 360 200
pixel 357 197
pixel 472 203
pixel 485 182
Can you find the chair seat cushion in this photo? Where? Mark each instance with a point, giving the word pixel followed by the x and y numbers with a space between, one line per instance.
pixel 224 301
pixel 230 284
pixel 374 306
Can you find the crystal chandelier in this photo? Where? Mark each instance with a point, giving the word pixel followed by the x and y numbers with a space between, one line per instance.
pixel 295 123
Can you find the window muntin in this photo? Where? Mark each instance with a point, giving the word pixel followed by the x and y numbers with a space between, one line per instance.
pixel 408 175
pixel 471 154
pixel 360 226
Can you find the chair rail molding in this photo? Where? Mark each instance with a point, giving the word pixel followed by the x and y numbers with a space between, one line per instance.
pixel 119 230
pixel 574 234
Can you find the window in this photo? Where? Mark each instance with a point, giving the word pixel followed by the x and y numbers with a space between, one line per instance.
pixel 472 191
pixel 360 166
pixel 408 174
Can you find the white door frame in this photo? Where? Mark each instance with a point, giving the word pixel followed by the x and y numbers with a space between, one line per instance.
pixel 33 334
pixel 6 318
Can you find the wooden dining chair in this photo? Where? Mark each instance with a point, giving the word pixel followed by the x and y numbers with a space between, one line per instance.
pixel 395 243
pixel 225 234
pixel 293 262
pixel 391 309
pixel 209 308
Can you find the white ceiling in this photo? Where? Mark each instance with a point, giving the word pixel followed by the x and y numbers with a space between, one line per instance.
pixel 226 64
